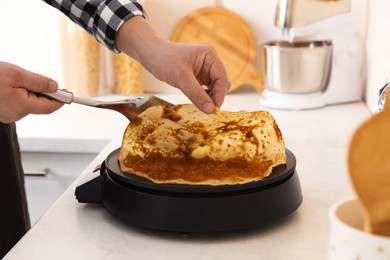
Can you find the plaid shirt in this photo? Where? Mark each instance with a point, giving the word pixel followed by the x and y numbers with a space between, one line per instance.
pixel 101 18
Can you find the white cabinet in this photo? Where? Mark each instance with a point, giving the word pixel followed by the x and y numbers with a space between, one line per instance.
pixel 62 169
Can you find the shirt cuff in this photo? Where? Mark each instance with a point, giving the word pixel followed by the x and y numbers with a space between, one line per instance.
pixel 111 17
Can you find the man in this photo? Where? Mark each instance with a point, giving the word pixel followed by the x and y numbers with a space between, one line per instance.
pixel 121 27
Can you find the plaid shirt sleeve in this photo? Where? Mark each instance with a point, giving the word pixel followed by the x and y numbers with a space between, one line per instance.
pixel 101 18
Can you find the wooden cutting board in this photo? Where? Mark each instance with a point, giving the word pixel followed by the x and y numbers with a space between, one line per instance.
pixel 232 38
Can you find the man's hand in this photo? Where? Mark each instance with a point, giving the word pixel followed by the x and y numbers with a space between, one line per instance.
pixel 184 66
pixel 17 93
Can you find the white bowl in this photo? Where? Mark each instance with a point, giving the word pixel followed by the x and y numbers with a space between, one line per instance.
pixel 348 240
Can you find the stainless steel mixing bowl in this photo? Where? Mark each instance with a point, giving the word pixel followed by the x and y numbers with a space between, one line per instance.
pixel 296 67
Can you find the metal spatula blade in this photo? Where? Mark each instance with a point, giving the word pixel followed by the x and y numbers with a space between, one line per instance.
pixel 128 107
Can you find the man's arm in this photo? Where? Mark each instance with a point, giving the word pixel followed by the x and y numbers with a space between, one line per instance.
pixel 184 66
pixel 102 18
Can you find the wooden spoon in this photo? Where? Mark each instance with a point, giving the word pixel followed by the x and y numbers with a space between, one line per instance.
pixel 369 169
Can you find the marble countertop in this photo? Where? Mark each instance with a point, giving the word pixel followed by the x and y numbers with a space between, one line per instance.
pixel 319 139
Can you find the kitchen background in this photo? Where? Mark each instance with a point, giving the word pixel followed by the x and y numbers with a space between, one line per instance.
pixel 31 38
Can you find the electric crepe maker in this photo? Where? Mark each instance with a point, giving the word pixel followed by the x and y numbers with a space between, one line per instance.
pixel 192 208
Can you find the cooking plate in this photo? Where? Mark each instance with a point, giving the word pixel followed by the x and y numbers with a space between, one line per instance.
pixel 279 173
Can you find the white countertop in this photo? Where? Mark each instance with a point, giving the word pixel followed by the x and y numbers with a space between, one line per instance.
pixel 318 138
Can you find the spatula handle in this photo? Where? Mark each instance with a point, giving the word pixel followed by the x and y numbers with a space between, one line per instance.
pixel 61 95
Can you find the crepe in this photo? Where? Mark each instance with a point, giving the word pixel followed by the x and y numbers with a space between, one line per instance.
pixel 183 145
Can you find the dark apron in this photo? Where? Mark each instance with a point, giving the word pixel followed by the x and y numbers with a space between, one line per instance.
pixel 14 218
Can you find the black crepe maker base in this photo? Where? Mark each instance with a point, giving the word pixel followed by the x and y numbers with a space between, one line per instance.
pixel 192 208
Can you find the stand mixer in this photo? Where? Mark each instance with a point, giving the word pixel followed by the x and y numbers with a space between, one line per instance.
pixel 314 20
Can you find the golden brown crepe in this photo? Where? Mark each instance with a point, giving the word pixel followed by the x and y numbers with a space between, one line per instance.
pixel 182 145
